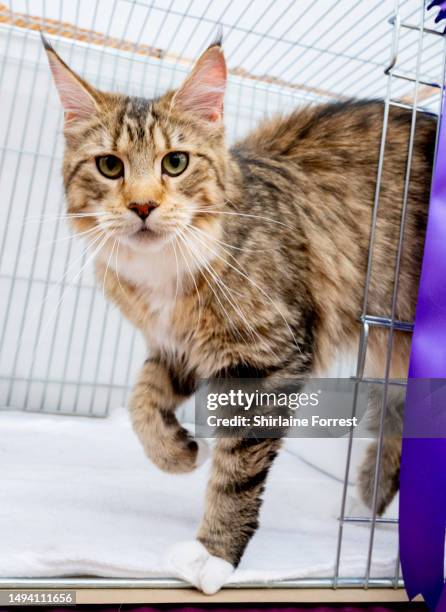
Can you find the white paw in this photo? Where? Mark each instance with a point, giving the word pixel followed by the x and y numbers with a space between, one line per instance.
pixel 204 452
pixel 192 562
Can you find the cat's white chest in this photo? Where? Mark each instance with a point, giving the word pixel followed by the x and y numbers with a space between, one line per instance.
pixel 156 271
pixel 155 277
pixel 159 331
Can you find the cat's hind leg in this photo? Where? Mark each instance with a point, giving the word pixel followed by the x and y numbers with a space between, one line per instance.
pixel 152 408
pixel 388 483
pixel 389 472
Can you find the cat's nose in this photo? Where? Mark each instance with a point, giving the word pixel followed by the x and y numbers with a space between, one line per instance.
pixel 143 210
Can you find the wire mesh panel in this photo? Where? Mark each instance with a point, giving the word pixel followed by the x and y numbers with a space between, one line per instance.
pixel 63 348
pixel 416 58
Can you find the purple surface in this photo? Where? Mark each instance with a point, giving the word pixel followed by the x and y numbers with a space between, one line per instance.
pixel 423 464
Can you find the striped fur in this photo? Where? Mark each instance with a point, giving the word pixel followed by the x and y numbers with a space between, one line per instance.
pixel 256 265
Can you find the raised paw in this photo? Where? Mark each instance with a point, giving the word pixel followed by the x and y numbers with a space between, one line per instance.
pixel 181 456
pixel 193 563
pixel 169 445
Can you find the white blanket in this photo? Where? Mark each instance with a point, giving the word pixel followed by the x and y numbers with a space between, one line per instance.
pixel 78 497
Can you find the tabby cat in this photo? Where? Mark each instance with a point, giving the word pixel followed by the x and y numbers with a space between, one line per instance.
pixel 243 261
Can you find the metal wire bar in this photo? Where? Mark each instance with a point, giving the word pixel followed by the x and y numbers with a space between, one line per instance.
pixel 395 295
pixel 300 74
pixel 106 38
pixel 21 233
pixel 174 583
pixel 369 519
pixel 6 51
pixel 39 231
pixel 25 279
pixel 396 578
pixel 403 49
pixel 71 382
pixel 53 249
pixel 387 322
pixel 230 28
pixel 9 125
pixel 382 49
pixel 269 49
pixel 362 350
pixel 358 92
pixel 253 27
pixel 329 29
pixel 62 288
pixel 328 82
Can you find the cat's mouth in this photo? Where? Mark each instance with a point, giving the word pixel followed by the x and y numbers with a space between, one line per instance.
pixel 145 234
pixel 145 237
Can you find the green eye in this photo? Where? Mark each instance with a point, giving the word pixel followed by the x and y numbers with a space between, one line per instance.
pixel 175 163
pixel 110 166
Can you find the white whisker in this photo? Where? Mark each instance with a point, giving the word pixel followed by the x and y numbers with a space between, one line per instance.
pixel 107 267
pixel 193 279
pixel 45 244
pixel 235 304
pixel 174 242
pixel 194 255
pixel 225 290
pixel 254 285
pixel 225 212
pixel 231 246
pixel 47 218
pixel 117 268
pixel 60 301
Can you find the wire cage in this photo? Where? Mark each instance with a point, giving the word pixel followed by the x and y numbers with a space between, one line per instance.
pixel 64 349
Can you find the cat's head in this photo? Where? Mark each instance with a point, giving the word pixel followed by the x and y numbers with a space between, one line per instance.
pixel 140 170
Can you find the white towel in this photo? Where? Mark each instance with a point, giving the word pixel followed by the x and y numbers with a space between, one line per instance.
pixel 78 497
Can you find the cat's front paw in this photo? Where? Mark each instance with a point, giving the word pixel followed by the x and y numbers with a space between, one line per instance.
pixel 193 563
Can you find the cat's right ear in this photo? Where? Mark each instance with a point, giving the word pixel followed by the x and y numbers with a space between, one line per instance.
pixel 203 90
pixel 78 98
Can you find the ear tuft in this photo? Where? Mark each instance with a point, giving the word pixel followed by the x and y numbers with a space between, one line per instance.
pixel 45 42
pixel 218 40
pixel 77 97
pixel 203 90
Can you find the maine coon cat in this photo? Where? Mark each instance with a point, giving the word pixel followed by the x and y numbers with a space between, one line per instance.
pixel 246 261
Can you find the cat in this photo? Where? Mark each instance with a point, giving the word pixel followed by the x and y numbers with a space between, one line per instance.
pixel 247 261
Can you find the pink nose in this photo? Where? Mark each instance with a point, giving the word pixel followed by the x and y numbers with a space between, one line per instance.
pixel 143 210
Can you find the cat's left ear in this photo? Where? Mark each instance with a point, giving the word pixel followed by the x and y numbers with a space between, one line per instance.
pixel 203 91
pixel 78 98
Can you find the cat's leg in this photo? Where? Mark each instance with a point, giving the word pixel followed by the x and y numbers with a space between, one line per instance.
pixel 388 483
pixel 152 407
pixel 239 470
pixel 389 477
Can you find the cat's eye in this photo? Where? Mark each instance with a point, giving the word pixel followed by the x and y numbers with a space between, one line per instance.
pixel 110 166
pixel 174 163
